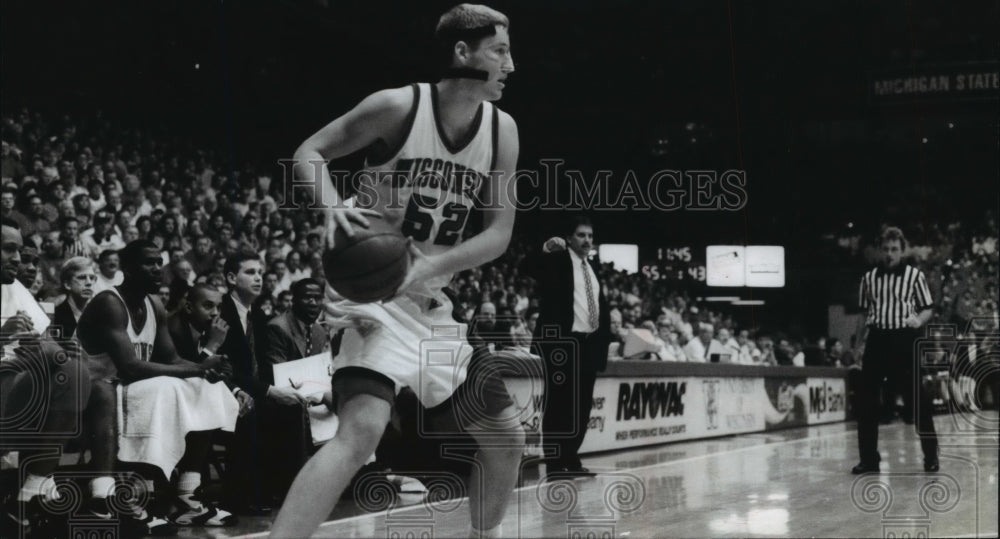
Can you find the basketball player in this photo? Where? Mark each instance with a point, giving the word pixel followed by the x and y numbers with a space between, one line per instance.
pixel 432 150
pixel 124 333
pixel 42 387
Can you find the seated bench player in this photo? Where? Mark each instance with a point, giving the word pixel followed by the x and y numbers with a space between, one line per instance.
pixel 163 398
pixel 33 364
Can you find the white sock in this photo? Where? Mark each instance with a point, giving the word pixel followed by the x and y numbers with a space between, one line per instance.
pixel 36 485
pixel 494 532
pixel 186 485
pixel 101 487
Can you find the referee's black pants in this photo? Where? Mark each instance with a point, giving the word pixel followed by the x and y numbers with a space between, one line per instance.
pixel 569 394
pixel 890 355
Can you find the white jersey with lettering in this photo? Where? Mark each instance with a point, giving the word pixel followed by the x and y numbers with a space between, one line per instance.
pixel 101 365
pixel 427 186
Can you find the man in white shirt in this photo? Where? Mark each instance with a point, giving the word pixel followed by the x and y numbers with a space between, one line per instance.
pixel 701 348
pixel 669 349
pixel 745 348
pixel 728 343
pixel 108 274
pixel 102 234
pixel 571 299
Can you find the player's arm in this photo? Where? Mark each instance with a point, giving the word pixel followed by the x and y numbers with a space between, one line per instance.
pixel 498 217
pixel 109 334
pixel 372 119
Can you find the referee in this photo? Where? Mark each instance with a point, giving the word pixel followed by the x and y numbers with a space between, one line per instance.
pixel 898 302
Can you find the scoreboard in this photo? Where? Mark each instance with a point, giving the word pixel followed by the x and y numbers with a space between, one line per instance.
pixel 674 263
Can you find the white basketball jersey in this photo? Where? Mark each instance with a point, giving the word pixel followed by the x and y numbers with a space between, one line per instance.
pixel 428 186
pixel 142 340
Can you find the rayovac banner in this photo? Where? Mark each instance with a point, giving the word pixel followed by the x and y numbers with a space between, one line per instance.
pixel 630 412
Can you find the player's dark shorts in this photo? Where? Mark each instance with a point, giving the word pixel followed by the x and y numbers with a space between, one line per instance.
pixel 482 394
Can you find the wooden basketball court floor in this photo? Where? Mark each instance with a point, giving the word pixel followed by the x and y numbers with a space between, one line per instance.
pixel 791 483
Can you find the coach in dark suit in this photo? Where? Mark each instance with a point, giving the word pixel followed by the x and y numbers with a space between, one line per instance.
pixel 572 336
pixel 295 334
pixel 290 336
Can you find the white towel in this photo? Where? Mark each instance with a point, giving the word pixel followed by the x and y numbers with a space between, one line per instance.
pixel 155 414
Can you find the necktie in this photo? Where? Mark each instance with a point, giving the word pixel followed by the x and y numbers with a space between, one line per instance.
pixel 591 303
pixel 309 341
pixel 253 360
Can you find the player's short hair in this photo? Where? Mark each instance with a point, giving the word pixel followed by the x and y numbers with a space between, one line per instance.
pixel 7 221
pixel 298 288
pixel 891 233
pixel 73 266
pixel 131 255
pixel 199 290
pixel 469 23
pixel 244 254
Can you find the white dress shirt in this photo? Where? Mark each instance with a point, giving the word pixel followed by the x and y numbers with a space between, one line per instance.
pixel 581 309
pixel 241 311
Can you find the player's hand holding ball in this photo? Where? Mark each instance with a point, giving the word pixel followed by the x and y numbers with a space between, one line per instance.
pixel 345 219
pixel 421 269
pixel 369 265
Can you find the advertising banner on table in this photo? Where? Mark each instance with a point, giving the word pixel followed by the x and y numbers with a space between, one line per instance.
pixel 637 411
pixel 827 400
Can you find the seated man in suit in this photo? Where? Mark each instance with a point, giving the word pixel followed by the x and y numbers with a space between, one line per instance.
pixel 198 333
pixel 78 278
pixel 196 327
pixel 290 336
pixel 249 484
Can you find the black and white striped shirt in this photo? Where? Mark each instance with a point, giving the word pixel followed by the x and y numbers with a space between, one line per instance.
pixel 891 295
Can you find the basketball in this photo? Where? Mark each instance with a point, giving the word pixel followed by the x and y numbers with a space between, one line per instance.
pixel 370 266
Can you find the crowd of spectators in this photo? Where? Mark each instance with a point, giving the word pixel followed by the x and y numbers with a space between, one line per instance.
pixel 84 188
